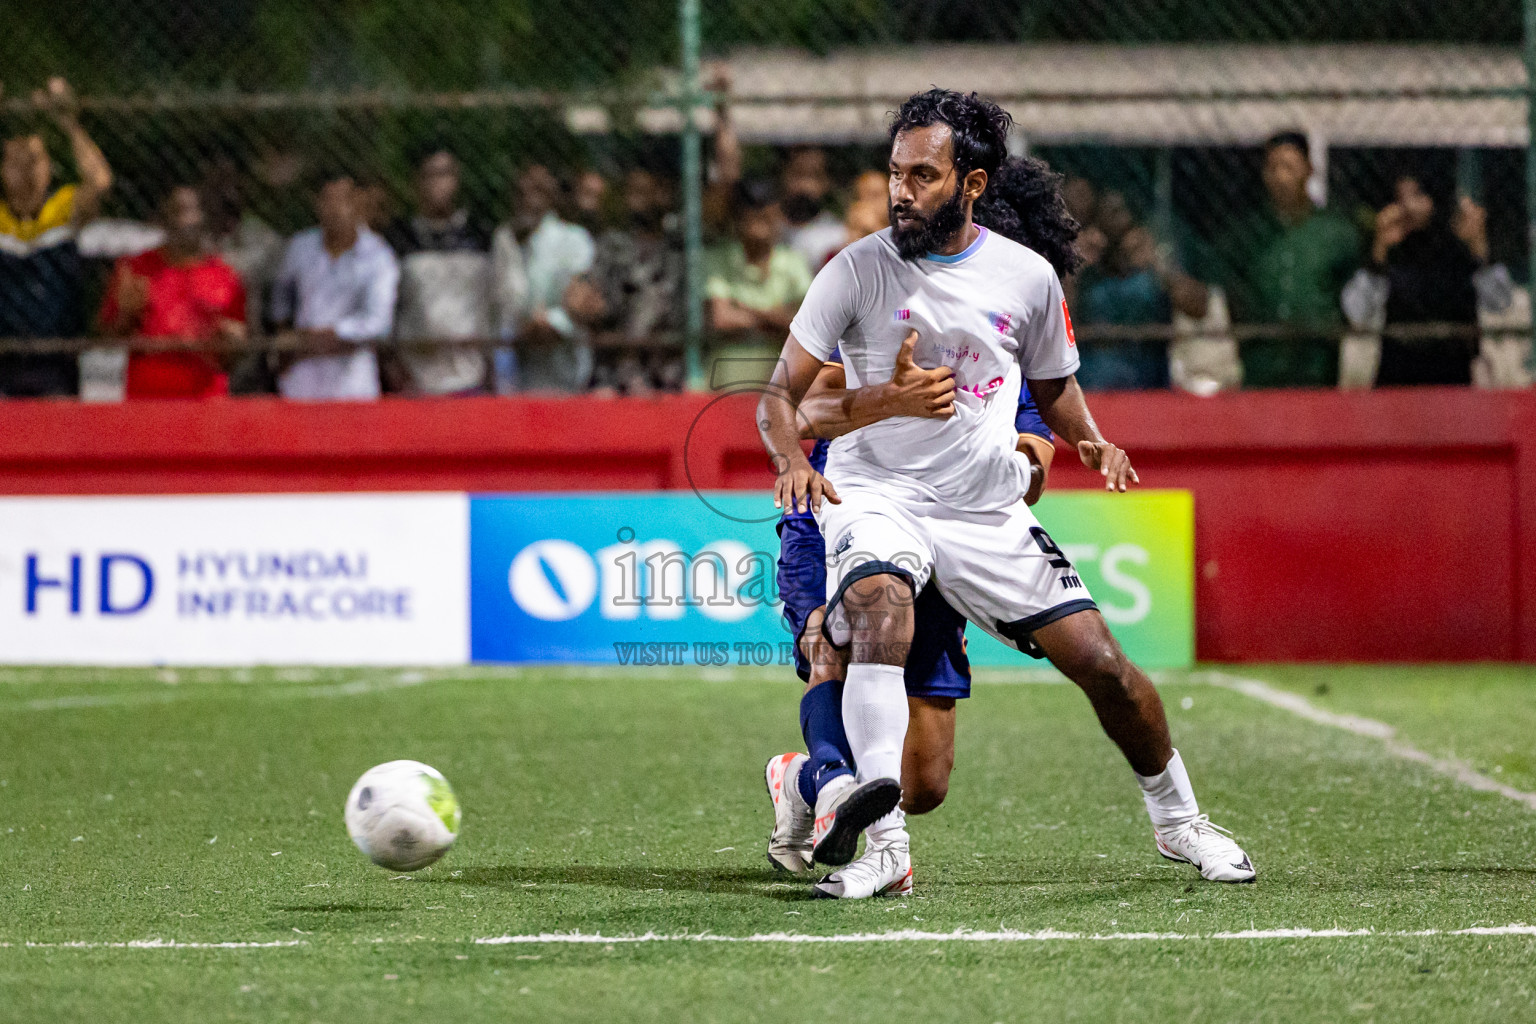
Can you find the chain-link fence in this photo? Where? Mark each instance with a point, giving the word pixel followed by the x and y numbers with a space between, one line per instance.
pixel 1157 109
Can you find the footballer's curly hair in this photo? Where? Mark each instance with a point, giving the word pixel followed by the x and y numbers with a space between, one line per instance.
pixel 978 127
pixel 1023 202
pixel 1023 197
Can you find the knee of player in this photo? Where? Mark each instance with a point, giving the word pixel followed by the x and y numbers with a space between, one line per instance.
pixel 879 610
pixel 1104 666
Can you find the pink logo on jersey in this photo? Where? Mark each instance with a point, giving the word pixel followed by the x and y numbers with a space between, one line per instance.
pixel 1071 336
pixel 983 390
pixel 1002 323
pixel 903 314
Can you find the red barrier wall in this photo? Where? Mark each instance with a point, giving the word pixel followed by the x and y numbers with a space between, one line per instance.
pixel 1329 526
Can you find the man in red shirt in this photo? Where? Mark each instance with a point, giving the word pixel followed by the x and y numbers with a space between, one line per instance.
pixel 180 291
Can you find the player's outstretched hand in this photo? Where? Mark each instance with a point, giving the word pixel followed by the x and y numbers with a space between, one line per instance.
pixel 800 488
pixel 929 394
pixel 1111 462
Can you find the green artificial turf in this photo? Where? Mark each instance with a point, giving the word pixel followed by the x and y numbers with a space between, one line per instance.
pixel 205 806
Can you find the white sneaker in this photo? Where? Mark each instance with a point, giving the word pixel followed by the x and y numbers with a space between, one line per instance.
pixel 789 844
pixel 1207 847
pixel 884 870
pixel 844 809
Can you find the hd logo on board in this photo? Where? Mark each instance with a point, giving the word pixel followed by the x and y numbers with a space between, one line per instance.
pixel 247 579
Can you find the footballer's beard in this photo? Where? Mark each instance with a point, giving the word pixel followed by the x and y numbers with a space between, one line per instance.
pixel 931 233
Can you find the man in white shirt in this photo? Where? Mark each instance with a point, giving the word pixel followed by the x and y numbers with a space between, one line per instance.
pixel 445 266
pixel 336 288
pixel 534 258
pixel 908 500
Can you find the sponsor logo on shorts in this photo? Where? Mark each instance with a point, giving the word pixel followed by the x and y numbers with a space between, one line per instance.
pixel 903 314
pixel 1071 580
pixel 843 544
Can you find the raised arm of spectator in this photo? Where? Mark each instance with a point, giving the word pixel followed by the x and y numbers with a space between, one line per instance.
pixel 376 318
pixel 95 173
pixel 1495 288
pixel 725 167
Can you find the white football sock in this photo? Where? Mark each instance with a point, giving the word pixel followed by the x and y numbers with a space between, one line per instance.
pixel 875 719
pixel 890 829
pixel 1169 796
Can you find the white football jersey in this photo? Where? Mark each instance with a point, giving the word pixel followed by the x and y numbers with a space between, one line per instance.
pixel 995 313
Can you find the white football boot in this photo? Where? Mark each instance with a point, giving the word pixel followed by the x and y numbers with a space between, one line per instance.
pixel 884 870
pixel 845 807
pixel 789 844
pixel 1206 846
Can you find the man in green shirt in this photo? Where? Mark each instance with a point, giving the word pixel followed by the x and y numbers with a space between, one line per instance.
pixel 754 286
pixel 1288 265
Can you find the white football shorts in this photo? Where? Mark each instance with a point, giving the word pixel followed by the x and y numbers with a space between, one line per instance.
pixel 1001 570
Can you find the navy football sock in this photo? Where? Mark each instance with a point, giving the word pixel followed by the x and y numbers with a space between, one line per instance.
pixel 821 723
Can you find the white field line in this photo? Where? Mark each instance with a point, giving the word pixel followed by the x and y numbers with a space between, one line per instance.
pixel 215 691
pixel 965 935
pixel 1451 767
pixel 152 944
pixel 799 938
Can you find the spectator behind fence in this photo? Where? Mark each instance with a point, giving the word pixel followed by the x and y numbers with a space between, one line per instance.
pixel 445 283
pixel 535 256
pixel 336 289
pixel 1287 265
pixel 1429 264
pixel 1129 279
pixel 754 286
pixel 632 298
pixel 40 266
pixel 870 210
pixel 590 203
pixel 253 249
pixel 812 229
pixel 180 291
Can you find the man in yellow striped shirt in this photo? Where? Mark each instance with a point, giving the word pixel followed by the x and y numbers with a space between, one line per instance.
pixel 40 267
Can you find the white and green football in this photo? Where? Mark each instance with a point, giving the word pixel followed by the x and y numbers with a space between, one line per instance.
pixel 403 815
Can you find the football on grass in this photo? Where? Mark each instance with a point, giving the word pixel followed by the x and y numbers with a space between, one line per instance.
pixel 403 815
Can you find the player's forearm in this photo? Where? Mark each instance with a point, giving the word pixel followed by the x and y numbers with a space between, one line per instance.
pixel 1040 454
pixel 779 426
pixel 778 408
pixel 833 412
pixel 1064 410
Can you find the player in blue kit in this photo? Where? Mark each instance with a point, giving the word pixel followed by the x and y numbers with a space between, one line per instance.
pixel 819 808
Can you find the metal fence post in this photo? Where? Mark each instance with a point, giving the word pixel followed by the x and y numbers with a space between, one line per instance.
pixel 1530 141
pixel 693 195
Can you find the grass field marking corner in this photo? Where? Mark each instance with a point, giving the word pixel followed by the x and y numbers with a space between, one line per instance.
pixel 1370 728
